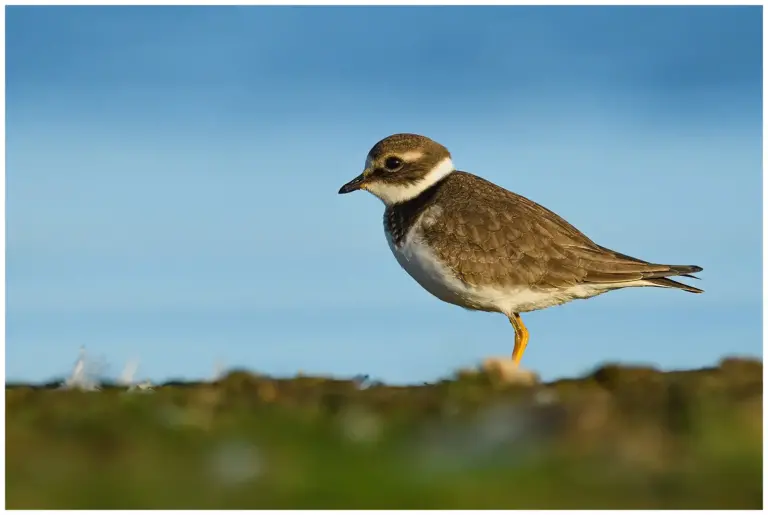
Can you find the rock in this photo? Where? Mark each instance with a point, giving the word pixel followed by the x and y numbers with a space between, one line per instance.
pixel 505 370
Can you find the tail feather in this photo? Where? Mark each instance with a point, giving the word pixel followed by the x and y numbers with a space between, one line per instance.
pixel 686 270
pixel 669 283
pixel 652 274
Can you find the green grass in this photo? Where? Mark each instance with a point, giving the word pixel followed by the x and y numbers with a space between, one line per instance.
pixel 619 438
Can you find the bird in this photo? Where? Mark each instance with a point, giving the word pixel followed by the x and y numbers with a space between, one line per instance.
pixel 477 245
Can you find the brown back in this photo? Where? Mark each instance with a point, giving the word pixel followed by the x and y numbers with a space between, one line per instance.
pixel 487 234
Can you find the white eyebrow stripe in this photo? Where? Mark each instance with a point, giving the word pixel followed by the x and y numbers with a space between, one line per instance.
pixel 408 157
pixel 412 155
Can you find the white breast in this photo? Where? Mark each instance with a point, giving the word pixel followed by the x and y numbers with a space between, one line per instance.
pixel 417 258
pixel 421 263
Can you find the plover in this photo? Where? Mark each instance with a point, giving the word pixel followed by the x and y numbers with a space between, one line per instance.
pixel 477 245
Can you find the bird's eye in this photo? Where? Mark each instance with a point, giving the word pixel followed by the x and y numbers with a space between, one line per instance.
pixel 393 163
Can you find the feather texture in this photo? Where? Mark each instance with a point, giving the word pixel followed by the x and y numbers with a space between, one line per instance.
pixel 489 236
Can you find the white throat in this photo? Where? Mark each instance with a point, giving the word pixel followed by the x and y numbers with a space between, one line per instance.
pixel 393 194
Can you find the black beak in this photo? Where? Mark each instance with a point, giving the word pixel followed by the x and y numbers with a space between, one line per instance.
pixel 353 185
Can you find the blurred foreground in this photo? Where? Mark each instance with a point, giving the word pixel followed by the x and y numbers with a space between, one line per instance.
pixel 621 437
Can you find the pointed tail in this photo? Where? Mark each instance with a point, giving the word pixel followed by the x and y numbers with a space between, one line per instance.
pixel 682 271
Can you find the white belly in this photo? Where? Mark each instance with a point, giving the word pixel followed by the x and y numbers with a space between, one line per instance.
pixel 419 261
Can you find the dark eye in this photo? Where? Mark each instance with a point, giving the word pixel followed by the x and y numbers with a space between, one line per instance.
pixel 393 163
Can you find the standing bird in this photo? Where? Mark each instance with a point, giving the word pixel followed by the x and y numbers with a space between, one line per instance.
pixel 477 245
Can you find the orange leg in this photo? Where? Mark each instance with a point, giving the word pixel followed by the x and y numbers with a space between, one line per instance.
pixel 521 337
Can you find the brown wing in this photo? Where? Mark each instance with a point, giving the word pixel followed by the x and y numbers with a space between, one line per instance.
pixel 494 235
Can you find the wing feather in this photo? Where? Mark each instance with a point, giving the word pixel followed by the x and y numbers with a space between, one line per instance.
pixel 496 236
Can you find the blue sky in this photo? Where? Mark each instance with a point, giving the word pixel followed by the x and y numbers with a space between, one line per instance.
pixel 172 176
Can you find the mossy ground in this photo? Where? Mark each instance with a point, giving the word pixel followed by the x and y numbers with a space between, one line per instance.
pixel 621 437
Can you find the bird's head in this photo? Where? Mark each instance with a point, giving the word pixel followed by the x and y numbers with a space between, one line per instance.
pixel 400 167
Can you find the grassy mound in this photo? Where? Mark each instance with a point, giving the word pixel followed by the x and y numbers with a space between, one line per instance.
pixel 621 437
